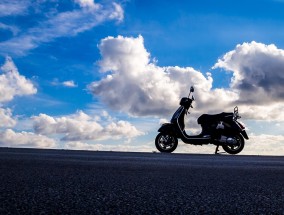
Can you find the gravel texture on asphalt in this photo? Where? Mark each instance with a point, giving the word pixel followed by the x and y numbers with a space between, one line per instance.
pixel 83 182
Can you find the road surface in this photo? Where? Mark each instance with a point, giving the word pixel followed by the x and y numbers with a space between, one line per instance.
pixel 82 182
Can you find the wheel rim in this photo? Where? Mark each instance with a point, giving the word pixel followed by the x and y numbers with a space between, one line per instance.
pixel 166 142
pixel 236 146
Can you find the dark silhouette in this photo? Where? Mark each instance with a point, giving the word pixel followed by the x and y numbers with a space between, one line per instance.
pixel 221 130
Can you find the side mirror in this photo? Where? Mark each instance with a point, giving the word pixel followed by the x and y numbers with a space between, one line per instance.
pixel 191 91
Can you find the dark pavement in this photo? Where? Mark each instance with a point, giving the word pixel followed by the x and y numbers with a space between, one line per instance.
pixel 81 182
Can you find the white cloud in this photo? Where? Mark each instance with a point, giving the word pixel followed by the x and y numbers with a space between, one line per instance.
pixel 10 138
pixel 258 79
pixel 90 4
pixel 264 144
pixel 118 13
pixel 70 83
pixel 64 24
pixel 270 112
pixel 81 126
pixel 139 87
pixel 12 83
pixel 196 149
pixel 13 7
pixel 257 72
pixel 75 145
pixel 121 129
pixel 10 28
pixel 6 118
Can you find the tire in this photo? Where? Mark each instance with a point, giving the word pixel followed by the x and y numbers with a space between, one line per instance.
pixel 166 143
pixel 237 148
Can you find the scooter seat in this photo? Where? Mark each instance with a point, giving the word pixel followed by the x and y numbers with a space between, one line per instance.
pixel 205 118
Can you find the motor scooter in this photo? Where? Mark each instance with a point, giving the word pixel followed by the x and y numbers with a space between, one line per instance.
pixel 221 129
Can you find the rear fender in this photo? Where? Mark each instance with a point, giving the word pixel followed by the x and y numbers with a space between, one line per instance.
pixel 244 133
pixel 234 127
pixel 241 129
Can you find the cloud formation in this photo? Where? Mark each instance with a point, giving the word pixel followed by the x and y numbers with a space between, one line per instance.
pixel 13 7
pixel 13 29
pixel 6 118
pixel 139 87
pixel 258 78
pixel 80 127
pixel 75 127
pixel 89 4
pixel 75 145
pixel 12 83
pixel 10 138
pixel 265 144
pixel 257 72
pixel 63 24
pixel 70 83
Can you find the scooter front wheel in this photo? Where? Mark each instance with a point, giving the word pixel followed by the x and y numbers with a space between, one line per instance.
pixel 166 143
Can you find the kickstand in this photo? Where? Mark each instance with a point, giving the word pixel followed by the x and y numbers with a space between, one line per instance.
pixel 217 149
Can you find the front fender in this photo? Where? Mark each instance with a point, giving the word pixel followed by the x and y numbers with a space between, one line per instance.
pixel 167 128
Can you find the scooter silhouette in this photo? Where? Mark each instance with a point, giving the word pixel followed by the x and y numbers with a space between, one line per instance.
pixel 221 129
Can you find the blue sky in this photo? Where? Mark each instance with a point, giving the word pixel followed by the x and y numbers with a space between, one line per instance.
pixel 102 75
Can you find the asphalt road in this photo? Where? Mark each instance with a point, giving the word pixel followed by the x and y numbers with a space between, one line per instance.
pixel 82 182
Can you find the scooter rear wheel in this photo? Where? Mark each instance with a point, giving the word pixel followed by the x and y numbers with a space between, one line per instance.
pixel 237 148
pixel 166 143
